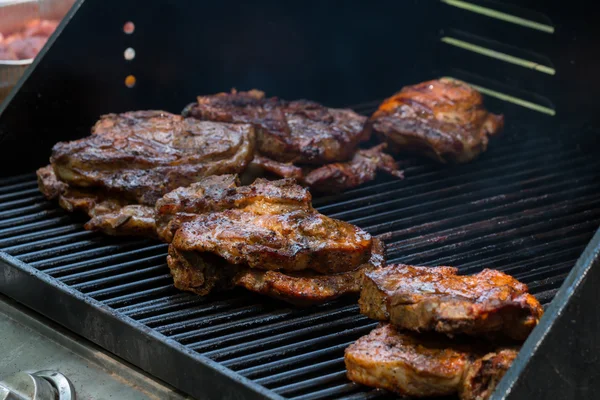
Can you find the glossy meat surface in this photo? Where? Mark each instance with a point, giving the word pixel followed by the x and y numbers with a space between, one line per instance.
pixel 224 192
pixel 203 273
pixel 437 299
pixel 142 155
pixel 482 376
pixel 444 119
pixel 302 132
pixel 108 213
pixel 362 168
pixel 422 365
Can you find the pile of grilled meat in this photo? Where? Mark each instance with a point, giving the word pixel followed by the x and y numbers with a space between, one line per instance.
pixel 197 181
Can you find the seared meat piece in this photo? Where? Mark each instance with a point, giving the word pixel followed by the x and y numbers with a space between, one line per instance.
pixel 142 155
pixel 109 213
pixel 290 240
pixel 265 237
pixel 361 169
pixel 336 177
pixel 437 299
pixel 203 273
pixel 482 376
pixel 444 119
pixel 223 192
pixel 300 131
pixel 423 365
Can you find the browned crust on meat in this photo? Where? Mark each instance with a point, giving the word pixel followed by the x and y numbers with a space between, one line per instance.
pixel 361 169
pixel 299 131
pixel 407 363
pixel 142 155
pixel 109 214
pixel 223 192
pixel 482 377
pixel 444 119
pixel 437 299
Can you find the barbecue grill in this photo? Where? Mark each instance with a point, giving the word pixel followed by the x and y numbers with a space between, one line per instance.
pixel 529 206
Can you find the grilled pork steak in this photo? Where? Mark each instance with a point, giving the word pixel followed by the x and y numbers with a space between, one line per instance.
pixel 301 132
pixel 437 299
pixel 444 119
pixel 142 155
pixel 109 213
pixel 203 273
pixel 425 365
pixel 268 238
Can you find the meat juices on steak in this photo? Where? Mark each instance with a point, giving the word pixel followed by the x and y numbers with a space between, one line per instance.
pixel 265 237
pixel 203 273
pixel 437 299
pixel 223 192
pixel 110 214
pixel 423 365
pixel 301 131
pixel 444 119
pixel 142 155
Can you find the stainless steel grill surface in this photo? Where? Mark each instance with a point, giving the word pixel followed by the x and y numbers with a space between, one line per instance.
pixel 527 207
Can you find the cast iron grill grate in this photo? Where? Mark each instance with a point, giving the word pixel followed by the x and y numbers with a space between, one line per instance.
pixel 528 207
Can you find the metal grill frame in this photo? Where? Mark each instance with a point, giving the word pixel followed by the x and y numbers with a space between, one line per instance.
pixel 53 101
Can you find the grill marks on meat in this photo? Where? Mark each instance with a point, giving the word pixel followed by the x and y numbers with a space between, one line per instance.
pixel 110 214
pixel 437 299
pixel 142 155
pixel 361 169
pixel 316 145
pixel 268 238
pixel 444 119
pixel 203 273
pixel 300 131
pixel 426 364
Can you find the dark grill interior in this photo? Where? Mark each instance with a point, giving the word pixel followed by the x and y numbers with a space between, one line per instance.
pixel 528 207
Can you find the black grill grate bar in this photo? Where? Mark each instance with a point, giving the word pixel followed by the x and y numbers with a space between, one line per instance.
pixel 13 195
pixel 17 221
pixel 195 323
pixel 22 187
pixel 312 357
pixel 7 205
pixel 542 261
pixel 303 385
pixel 79 247
pixel 552 282
pixel 125 253
pixel 433 176
pixel 35 226
pixel 25 210
pixel 123 276
pixel 527 253
pixel 127 299
pixel 255 346
pixel 228 326
pixel 148 308
pixel 86 254
pixel 281 354
pixel 549 271
pixel 196 310
pixel 546 297
pixel 338 390
pixel 46 233
pixel 111 270
pixel 501 206
pixel 491 230
pixel 507 251
pixel 10 180
pixel 426 196
pixel 32 247
pixel 130 287
pixel 297 320
pixel 301 373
